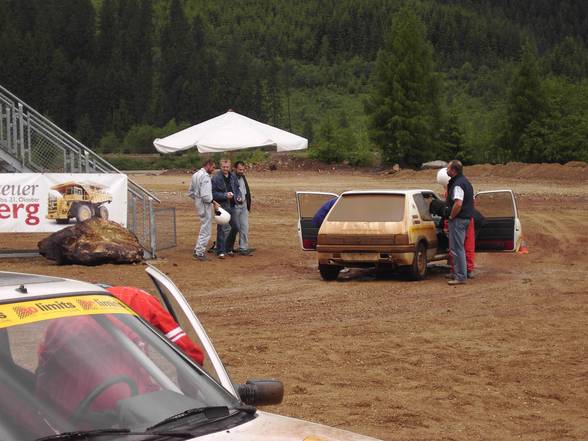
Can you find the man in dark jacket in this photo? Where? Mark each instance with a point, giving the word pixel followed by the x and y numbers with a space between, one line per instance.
pixel 460 198
pixel 225 191
pixel 241 213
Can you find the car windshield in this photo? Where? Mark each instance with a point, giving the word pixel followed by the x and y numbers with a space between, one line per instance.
pixel 88 362
pixel 375 207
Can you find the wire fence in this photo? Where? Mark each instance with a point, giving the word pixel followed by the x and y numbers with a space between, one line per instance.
pixel 165 224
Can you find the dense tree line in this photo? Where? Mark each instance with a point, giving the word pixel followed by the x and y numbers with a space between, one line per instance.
pixel 494 80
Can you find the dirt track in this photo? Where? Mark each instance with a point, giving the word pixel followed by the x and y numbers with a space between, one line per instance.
pixel 499 359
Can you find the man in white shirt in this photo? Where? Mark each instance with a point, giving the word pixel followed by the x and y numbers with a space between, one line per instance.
pixel 460 198
pixel 201 191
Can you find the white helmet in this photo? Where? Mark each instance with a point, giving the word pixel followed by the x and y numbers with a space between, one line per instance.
pixel 442 177
pixel 221 216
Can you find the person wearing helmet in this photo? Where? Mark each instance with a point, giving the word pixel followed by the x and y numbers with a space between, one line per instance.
pixel 201 191
pixel 225 191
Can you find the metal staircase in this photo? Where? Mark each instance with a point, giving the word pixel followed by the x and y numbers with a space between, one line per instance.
pixel 31 143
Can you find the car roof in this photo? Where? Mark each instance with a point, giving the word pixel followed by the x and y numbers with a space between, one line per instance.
pixel 391 191
pixel 35 286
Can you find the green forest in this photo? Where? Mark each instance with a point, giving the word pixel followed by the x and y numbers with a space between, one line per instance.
pixel 368 82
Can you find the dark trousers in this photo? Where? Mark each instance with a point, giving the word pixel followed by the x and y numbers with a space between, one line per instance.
pixel 225 239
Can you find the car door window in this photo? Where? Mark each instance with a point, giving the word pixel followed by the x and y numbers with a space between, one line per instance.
pixel 171 305
pixel 423 204
pixel 498 204
pixel 499 226
pixel 176 304
pixel 308 204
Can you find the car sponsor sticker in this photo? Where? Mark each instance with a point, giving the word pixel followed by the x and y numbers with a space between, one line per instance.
pixel 46 309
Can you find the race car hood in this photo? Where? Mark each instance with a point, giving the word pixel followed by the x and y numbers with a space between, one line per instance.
pixel 271 427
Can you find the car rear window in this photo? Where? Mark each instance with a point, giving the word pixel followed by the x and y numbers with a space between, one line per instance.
pixel 368 208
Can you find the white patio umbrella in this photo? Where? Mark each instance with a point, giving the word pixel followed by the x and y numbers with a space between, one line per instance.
pixel 227 132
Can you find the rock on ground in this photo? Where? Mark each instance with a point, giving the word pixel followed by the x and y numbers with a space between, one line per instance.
pixel 433 164
pixel 93 242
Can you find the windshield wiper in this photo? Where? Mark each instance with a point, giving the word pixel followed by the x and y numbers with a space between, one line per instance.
pixel 87 434
pixel 210 412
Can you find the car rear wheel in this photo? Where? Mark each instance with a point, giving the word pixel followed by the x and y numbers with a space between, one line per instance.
pixel 329 272
pixel 418 269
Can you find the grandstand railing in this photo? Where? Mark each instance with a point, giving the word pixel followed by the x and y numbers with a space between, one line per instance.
pixel 30 142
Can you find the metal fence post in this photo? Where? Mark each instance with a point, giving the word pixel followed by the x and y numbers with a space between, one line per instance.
pixel 133 210
pixel 20 140
pixel 152 229
pixel 11 129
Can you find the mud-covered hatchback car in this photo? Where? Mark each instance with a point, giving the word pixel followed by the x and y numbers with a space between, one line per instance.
pixel 395 229
pixel 76 363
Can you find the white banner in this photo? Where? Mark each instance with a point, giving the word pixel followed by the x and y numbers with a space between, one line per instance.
pixel 39 203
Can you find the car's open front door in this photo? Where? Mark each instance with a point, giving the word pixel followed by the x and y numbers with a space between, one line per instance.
pixel 308 204
pixel 176 304
pixel 501 227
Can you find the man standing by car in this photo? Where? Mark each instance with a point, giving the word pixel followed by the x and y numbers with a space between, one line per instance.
pixel 460 198
pixel 241 213
pixel 225 191
pixel 201 191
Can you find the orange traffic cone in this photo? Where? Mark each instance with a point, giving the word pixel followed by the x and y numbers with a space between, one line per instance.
pixel 523 246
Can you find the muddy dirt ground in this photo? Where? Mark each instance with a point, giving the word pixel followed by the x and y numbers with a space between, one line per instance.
pixel 502 358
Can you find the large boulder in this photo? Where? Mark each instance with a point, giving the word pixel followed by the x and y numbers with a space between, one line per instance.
pixel 433 165
pixel 92 242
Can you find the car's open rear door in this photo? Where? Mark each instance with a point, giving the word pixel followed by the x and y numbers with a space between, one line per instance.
pixel 176 304
pixel 308 204
pixel 501 227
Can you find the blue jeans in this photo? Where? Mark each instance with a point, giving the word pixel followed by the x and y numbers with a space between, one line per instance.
pixel 241 215
pixel 457 232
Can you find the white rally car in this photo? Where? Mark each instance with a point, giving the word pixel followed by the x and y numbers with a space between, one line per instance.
pixel 78 364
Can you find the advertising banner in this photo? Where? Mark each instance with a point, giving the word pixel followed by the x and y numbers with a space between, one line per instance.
pixel 47 202
pixel 47 309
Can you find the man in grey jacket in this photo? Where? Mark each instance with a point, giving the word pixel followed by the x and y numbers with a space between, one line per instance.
pixel 201 191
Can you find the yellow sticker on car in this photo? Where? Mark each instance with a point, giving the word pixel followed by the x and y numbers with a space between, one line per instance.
pixel 21 313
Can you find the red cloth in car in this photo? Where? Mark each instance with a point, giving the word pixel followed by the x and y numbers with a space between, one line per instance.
pixel 77 354
pixel 149 308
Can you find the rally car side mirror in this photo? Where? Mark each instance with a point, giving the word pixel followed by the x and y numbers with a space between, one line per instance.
pixel 261 392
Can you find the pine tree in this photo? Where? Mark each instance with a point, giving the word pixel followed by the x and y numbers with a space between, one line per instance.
pixel 175 62
pixel 526 103
pixel 404 105
pixel 569 59
pixel 107 32
pixel 198 92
